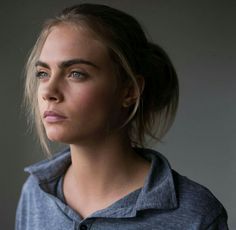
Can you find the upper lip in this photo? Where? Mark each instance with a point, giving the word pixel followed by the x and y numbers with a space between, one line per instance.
pixel 53 113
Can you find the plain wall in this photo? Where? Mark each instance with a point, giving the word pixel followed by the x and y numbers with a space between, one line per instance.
pixel 200 38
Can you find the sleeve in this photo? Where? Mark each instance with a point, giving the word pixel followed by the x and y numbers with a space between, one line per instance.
pixel 219 223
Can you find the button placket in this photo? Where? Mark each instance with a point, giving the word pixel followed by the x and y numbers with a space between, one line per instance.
pixel 83 227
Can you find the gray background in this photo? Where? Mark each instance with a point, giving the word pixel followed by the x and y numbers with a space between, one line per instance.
pixel 200 37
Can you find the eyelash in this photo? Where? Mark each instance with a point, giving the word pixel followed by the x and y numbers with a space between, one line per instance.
pixel 43 74
pixel 81 74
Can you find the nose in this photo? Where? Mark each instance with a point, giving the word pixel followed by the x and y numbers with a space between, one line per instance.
pixel 51 91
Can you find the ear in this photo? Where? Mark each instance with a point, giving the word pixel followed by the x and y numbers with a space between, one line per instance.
pixel 131 92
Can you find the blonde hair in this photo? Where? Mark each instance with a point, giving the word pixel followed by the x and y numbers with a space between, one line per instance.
pixel 133 55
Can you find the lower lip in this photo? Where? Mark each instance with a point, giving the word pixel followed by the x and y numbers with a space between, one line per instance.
pixel 53 119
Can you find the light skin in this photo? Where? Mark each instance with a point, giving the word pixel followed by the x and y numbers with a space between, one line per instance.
pixel 76 101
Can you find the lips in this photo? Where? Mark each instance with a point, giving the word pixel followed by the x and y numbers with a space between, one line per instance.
pixel 52 117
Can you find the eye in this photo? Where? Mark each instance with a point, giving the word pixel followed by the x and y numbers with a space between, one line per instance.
pixel 77 75
pixel 41 74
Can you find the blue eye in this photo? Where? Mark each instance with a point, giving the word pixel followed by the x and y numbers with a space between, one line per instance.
pixel 41 74
pixel 77 74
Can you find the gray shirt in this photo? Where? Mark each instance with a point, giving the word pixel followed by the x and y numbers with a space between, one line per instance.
pixel 166 201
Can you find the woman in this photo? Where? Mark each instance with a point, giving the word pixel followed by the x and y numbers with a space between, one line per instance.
pixel 96 83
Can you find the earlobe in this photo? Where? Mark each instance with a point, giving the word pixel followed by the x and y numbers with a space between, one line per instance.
pixel 127 104
pixel 133 91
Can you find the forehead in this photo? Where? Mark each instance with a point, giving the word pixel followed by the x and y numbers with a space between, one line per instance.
pixel 70 41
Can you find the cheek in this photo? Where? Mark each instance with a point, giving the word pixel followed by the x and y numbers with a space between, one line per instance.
pixel 90 99
pixel 39 101
pixel 97 109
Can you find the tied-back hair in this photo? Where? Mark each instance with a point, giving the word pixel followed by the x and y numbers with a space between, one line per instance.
pixel 133 55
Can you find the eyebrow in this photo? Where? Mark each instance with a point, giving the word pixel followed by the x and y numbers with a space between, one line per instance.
pixel 67 63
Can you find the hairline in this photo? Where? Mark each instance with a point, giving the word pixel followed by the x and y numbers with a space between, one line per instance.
pixel 84 25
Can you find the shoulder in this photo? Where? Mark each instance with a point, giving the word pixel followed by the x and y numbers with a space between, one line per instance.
pixel 194 195
pixel 198 201
pixel 26 204
pixel 42 180
pixel 33 206
pixel 185 204
pixel 30 193
pixel 30 186
pixel 33 198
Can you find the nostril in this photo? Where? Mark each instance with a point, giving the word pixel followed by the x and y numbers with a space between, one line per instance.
pixel 51 92
pixel 53 98
pixel 49 97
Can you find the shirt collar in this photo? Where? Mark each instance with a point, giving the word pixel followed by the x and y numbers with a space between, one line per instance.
pixel 46 170
pixel 158 191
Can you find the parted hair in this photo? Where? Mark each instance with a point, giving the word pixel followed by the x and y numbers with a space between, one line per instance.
pixel 133 55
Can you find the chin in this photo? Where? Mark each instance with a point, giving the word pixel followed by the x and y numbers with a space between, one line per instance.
pixel 64 136
pixel 56 138
pixel 57 135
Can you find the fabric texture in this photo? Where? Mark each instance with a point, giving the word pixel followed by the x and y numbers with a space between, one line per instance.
pixel 167 201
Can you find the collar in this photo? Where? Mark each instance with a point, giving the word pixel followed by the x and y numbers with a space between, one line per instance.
pixel 158 191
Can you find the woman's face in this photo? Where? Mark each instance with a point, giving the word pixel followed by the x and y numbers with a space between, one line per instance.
pixel 76 81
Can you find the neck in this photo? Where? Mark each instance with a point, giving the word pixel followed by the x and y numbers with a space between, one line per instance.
pixel 104 168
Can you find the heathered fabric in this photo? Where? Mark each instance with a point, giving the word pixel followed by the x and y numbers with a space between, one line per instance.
pixel 167 201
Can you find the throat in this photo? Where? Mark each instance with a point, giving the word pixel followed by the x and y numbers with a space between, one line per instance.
pixel 100 189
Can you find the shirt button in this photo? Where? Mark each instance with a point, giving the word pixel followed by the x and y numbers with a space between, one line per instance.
pixel 83 227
